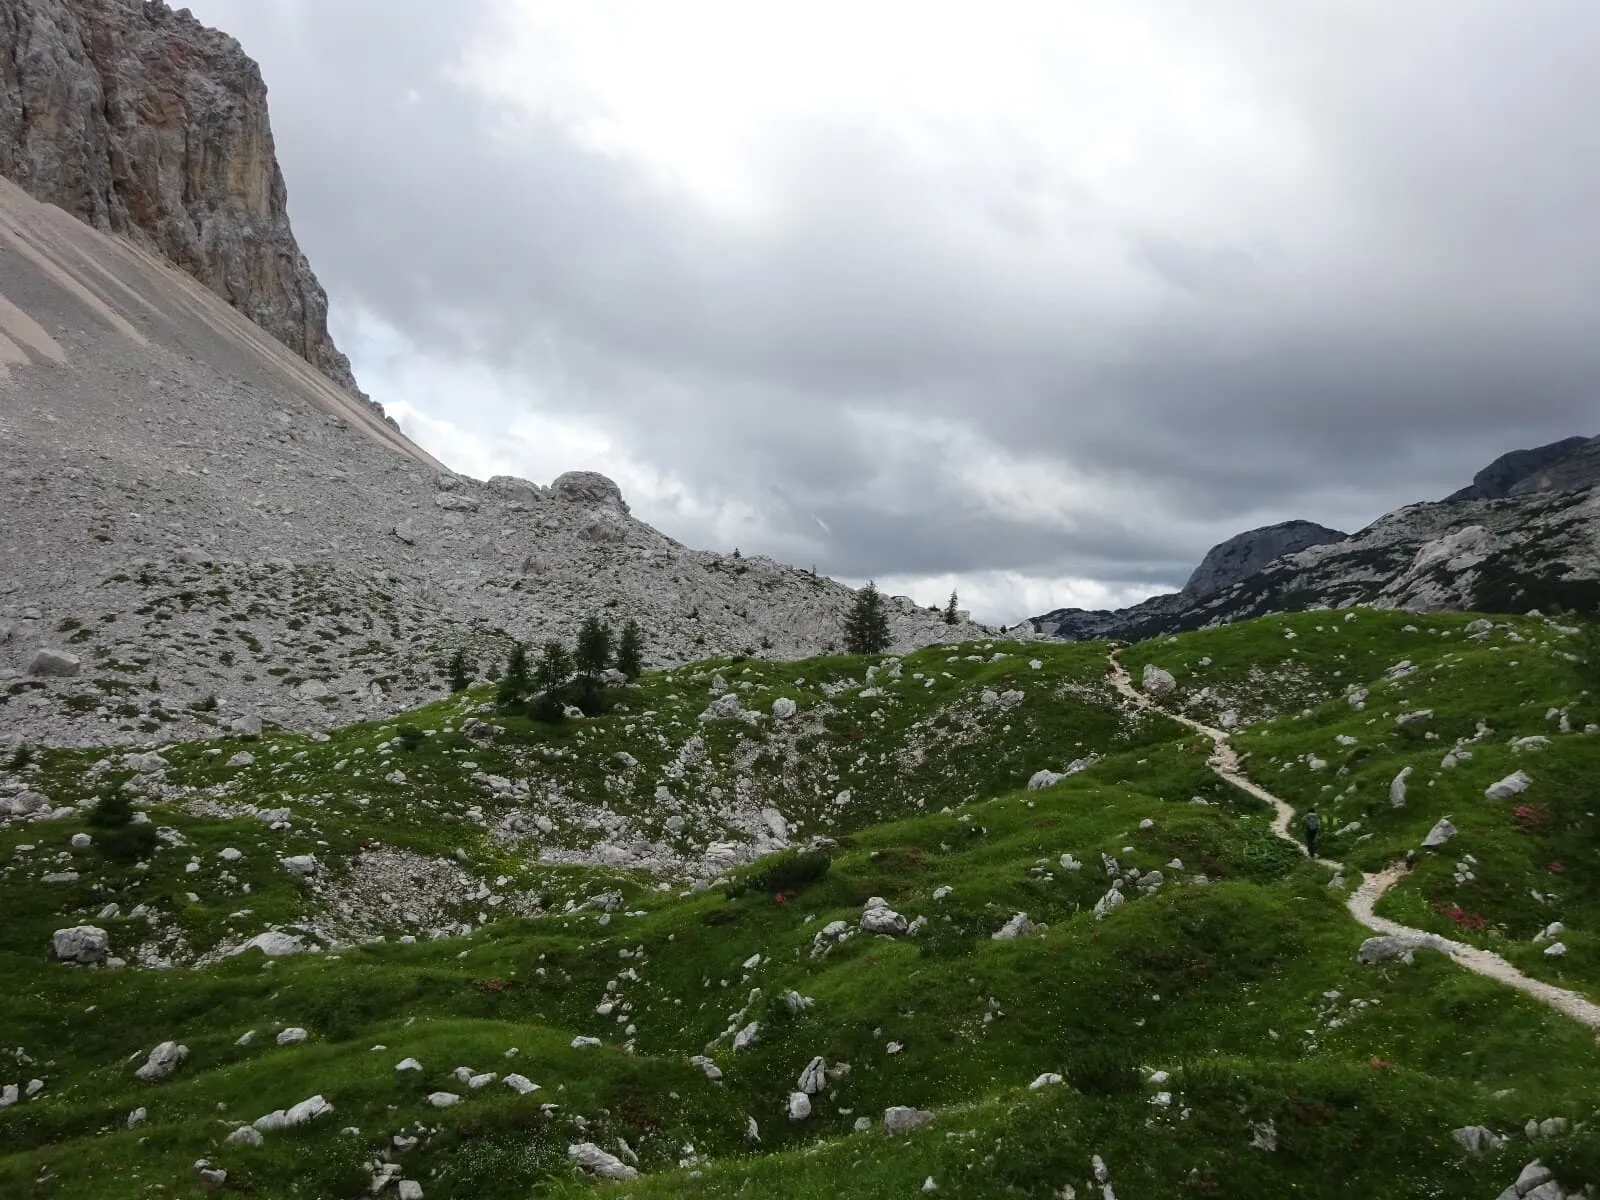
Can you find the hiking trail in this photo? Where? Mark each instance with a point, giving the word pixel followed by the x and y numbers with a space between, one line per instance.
pixel 1224 763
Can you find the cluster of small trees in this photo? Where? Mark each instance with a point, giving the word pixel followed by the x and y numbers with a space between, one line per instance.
pixel 561 677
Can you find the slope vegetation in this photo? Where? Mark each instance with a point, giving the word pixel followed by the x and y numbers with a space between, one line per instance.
pixel 618 911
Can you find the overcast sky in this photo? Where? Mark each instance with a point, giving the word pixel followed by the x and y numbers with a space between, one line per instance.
pixel 1038 300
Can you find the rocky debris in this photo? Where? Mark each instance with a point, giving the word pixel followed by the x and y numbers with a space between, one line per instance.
pixel 747 1037
pixel 599 1163
pixel 162 1062
pixel 1400 945
pixel 1441 833
pixel 1111 900
pixel 54 663
pixel 85 944
pixel 1157 682
pixel 1513 784
pixel 878 917
pixel 899 1118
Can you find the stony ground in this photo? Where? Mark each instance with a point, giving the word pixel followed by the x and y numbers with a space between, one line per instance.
pixel 207 529
pixel 592 963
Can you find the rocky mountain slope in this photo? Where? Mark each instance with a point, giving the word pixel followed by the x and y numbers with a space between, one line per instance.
pixel 1525 534
pixel 199 527
pixel 141 121
pixel 1033 945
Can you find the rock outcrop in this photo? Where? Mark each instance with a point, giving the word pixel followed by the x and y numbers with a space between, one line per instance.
pixel 1242 555
pixel 1540 469
pixel 143 122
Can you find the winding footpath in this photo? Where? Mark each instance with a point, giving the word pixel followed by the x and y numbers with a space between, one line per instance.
pixel 1224 763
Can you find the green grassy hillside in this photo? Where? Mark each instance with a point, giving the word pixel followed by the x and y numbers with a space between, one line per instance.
pixel 612 879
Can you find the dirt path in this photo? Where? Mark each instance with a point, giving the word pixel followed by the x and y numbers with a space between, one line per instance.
pixel 1224 762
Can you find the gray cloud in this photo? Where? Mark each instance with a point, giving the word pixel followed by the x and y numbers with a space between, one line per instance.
pixel 1419 301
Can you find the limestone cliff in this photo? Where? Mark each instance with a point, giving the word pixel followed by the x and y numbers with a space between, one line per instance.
pixel 142 121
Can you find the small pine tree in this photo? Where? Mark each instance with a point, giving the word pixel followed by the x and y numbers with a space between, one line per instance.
pixel 593 652
pixel 951 613
pixel 866 625
pixel 460 671
pixel 630 650
pixel 550 678
pixel 514 681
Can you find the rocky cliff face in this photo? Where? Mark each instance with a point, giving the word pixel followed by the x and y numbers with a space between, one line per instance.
pixel 1242 555
pixel 1523 471
pixel 142 121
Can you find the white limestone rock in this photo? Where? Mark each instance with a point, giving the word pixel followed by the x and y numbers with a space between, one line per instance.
pixel 162 1062
pixel 84 944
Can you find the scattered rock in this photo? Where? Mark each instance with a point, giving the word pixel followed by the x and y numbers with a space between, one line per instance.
pixel 799 1106
pixel 1511 785
pixel 1012 929
pixel 878 917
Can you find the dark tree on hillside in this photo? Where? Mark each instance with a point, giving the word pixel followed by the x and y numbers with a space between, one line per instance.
pixel 630 650
pixel 460 671
pixel 591 657
pixel 866 625
pixel 550 678
pixel 514 682
pixel 951 613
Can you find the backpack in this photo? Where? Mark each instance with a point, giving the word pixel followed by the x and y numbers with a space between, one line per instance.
pixel 1313 823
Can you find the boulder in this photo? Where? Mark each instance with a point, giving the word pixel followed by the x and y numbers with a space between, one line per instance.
pixel 1401 946
pixel 81 944
pixel 1513 784
pixel 274 944
pixel 163 1061
pixel 1476 1140
pixel 1156 682
pixel 300 864
pixel 586 1154
pixel 725 707
pixel 1013 929
pixel 587 487
pixel 814 1078
pixel 247 726
pixel 799 1106
pixel 1397 788
pixel 784 709
pixel 1043 779
pixel 878 917
pixel 1441 833
pixel 899 1118
pixel 54 663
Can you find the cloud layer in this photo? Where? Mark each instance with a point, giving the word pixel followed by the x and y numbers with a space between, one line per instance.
pixel 1035 300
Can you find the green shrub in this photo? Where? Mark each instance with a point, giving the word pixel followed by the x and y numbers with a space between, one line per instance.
pixel 791 871
pixel 409 737
pixel 1104 1071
